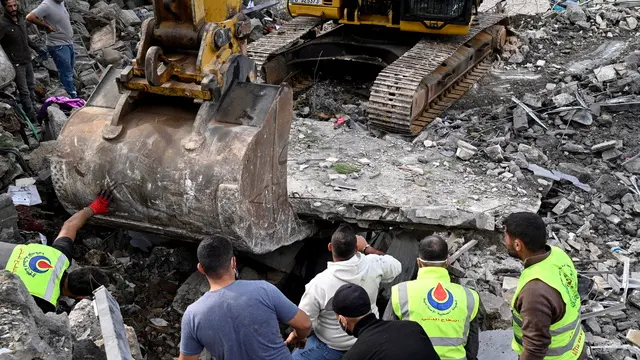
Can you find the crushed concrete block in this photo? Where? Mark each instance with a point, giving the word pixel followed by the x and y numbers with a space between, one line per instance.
pixel 57 119
pixel 574 13
pixel 89 78
pixel 561 206
pixel 611 154
pixel 104 37
pixel 27 332
pixel 129 18
pixel 604 146
pixel 605 73
pixel 614 219
pixel 632 23
pixel 563 99
pixel 532 100
pixel 633 335
pixel 495 153
pixel 520 121
pixel 496 310
pixel 190 291
pixel 633 166
pixel 465 150
pixel 111 56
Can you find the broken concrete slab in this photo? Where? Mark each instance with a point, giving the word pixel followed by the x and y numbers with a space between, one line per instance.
pixel 520 121
pixel 129 18
pixel 463 199
pixel 605 53
pixel 104 37
pixel 561 206
pixel 190 291
pixel 604 146
pixel 27 332
pixel 465 150
pixel 605 73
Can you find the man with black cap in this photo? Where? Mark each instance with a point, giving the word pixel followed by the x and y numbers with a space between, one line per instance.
pixel 378 339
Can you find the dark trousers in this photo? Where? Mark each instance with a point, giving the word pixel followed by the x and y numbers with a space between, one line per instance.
pixel 26 85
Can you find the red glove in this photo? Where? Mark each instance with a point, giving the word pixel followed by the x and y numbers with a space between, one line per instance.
pixel 101 203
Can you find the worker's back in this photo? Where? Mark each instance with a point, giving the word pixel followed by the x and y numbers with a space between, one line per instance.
pixel 390 340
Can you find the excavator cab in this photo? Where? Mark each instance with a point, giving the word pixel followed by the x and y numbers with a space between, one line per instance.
pixel 448 17
pixel 191 146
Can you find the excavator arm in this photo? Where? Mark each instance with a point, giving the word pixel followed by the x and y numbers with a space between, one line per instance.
pixel 198 148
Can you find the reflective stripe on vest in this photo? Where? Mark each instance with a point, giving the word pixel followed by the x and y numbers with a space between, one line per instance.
pixel 40 268
pixel 567 336
pixel 448 347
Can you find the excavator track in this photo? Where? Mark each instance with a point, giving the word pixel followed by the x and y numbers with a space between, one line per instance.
pixel 393 92
pixel 289 34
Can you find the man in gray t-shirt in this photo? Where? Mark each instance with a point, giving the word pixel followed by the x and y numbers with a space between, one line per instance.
pixel 237 319
pixel 53 16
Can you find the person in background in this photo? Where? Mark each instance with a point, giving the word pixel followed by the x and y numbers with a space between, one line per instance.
pixel 16 43
pixel 53 16
pixel 356 262
pixel 378 339
pixel 445 310
pixel 546 304
pixel 43 268
pixel 236 319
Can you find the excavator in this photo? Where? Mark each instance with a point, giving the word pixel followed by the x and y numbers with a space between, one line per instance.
pixel 191 146
pixel 194 143
pixel 430 52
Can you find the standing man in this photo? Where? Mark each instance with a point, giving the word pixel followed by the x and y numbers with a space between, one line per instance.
pixel 354 262
pixel 378 339
pixel 546 305
pixel 236 319
pixel 15 42
pixel 445 310
pixel 43 268
pixel 53 16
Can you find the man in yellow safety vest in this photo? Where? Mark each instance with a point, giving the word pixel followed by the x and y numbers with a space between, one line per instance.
pixel 42 268
pixel 546 304
pixel 446 311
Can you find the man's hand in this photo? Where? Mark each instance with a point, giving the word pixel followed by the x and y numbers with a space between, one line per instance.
pixel 101 204
pixel 295 341
pixel 361 243
pixel 50 28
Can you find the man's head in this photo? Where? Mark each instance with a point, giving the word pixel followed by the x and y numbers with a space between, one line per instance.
pixel 433 251
pixel 215 258
pixel 10 7
pixel 525 234
pixel 350 303
pixel 82 282
pixel 343 243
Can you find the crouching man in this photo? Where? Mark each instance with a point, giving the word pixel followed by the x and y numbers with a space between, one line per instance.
pixel 42 268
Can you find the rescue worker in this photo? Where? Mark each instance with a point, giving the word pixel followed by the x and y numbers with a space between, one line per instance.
pixel 445 310
pixel 43 268
pixel 546 304
pixel 377 339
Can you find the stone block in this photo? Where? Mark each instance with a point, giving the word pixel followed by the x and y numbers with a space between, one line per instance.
pixel 520 121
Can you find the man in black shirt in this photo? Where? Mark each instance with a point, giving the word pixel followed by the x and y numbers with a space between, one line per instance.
pixel 378 339
pixel 15 43
pixel 43 268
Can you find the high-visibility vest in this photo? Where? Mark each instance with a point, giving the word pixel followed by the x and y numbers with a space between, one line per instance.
pixel 567 336
pixel 442 308
pixel 40 268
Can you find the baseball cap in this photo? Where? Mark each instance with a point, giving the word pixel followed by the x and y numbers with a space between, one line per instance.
pixel 350 301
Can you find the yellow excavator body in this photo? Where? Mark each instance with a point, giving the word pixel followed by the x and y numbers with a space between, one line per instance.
pixel 421 16
pixel 190 144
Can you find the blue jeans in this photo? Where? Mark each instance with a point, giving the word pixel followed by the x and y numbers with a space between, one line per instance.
pixel 65 61
pixel 315 349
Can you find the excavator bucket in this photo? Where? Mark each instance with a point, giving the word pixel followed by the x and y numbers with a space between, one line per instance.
pixel 185 170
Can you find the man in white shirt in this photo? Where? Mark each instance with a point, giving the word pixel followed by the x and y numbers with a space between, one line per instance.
pixel 354 262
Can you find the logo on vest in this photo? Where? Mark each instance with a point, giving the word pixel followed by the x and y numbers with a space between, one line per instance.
pixel 440 300
pixel 567 276
pixel 36 263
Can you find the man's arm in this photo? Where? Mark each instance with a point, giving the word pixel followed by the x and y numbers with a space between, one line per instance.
pixel 364 247
pixel 473 340
pixel 189 344
pixel 301 325
pixel 539 304
pixel 99 206
pixel 74 223
pixel 37 17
